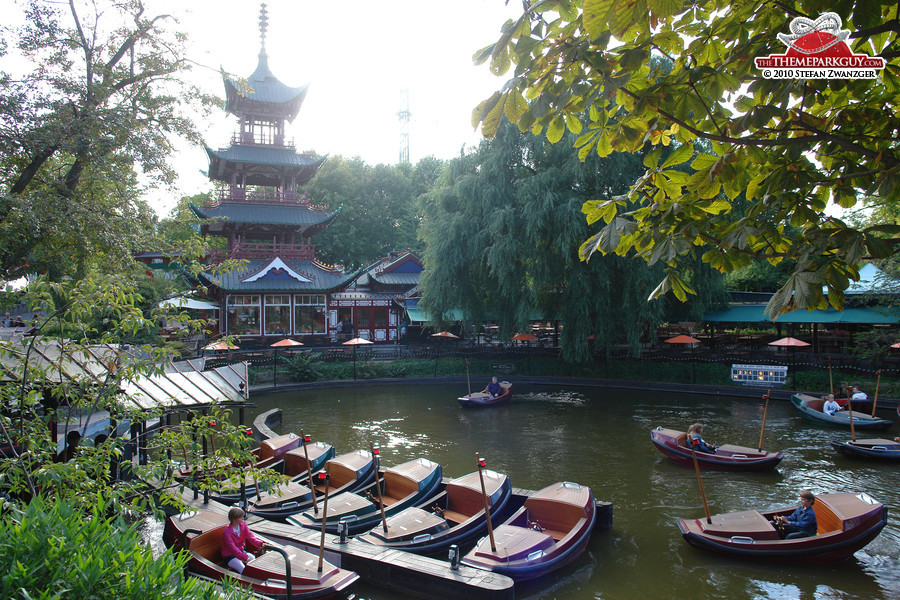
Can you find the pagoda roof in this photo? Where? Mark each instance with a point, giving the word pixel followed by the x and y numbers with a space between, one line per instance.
pixel 262 87
pixel 277 275
pixel 278 160
pixel 268 214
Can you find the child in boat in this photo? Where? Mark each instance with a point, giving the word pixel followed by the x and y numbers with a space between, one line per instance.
pixel 236 538
pixel 695 439
pixel 830 407
pixel 802 522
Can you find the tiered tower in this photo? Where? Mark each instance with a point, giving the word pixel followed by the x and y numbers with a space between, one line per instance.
pixel 261 210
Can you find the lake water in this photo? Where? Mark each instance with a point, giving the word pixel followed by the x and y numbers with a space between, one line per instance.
pixel 601 437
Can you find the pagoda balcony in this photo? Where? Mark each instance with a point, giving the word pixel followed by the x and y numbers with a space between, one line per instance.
pixel 248 139
pixel 256 249
pixel 268 196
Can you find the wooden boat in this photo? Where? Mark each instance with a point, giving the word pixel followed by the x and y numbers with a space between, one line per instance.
pixel 455 516
pixel 268 455
pixel 549 531
pixel 295 464
pixel 267 574
pixel 407 484
pixel 847 522
pixel 349 472
pixel 727 457
pixel 479 399
pixel 811 410
pixel 875 448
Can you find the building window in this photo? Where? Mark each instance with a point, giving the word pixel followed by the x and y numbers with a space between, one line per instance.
pixel 309 313
pixel 278 314
pixel 243 315
pixel 381 317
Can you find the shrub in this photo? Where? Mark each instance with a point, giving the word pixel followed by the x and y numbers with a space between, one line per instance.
pixel 302 366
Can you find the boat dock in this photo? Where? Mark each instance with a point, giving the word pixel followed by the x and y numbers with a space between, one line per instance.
pixel 394 569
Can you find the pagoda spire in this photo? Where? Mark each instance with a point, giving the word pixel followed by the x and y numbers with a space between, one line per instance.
pixel 263 26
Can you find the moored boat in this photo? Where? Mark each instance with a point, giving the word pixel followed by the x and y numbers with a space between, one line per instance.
pixel 349 472
pixel 810 408
pixel 402 486
pixel 309 457
pixel 268 455
pixel 550 530
pixel 455 516
pixel 480 399
pixel 727 457
pixel 267 574
pixel 874 448
pixel 846 523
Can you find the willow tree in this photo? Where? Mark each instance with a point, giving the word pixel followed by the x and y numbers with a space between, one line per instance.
pixel 797 150
pixel 96 91
pixel 502 232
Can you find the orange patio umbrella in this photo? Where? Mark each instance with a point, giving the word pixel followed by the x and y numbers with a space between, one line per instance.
pixel 445 334
pixel 357 341
pixel 682 339
pixel 220 345
pixel 524 337
pixel 789 342
pixel 286 343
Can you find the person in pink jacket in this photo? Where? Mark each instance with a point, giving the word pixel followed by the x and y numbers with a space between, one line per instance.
pixel 236 539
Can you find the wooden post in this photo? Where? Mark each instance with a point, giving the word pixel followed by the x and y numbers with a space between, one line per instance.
pixel 303 439
pixel 765 413
pixel 700 483
pixel 375 453
pixel 877 382
pixel 323 475
pixel 487 506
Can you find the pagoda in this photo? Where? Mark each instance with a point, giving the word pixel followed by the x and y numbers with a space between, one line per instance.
pixel 266 218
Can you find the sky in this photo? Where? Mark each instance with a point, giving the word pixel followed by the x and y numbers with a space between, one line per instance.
pixel 357 57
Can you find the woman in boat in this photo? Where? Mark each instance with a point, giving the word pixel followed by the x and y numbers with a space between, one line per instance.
pixel 236 538
pixel 695 439
pixel 494 388
pixel 802 522
pixel 830 407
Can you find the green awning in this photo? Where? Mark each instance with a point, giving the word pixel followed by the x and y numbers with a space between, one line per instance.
pixel 755 313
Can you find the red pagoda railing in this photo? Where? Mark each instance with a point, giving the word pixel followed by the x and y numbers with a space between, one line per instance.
pixel 252 250
pixel 260 197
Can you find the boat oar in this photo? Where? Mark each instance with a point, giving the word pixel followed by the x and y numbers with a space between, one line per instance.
pixel 877 381
pixel 468 381
pixel 700 483
pixel 303 439
pixel 765 413
pixel 487 509
pixel 375 453
pixel 852 429
pixel 323 475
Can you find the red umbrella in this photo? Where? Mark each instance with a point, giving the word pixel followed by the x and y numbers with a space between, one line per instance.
pixel 682 339
pixel 789 342
pixel 897 345
pixel 286 342
pixel 524 337
pixel 445 334
pixel 220 345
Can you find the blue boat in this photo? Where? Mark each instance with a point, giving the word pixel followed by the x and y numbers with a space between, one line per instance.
pixel 407 484
pixel 482 399
pixel 875 448
pixel 810 408
pixel 456 515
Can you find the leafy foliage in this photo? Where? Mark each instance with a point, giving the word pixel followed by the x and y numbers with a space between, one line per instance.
pixel 782 152
pixel 502 233
pixel 301 366
pixel 58 549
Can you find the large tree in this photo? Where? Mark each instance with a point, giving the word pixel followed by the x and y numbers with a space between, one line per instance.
pixel 783 153
pixel 502 236
pixel 91 92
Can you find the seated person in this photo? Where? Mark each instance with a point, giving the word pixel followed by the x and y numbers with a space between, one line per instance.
pixel 494 388
pixel 830 407
pixel 802 522
pixel 695 439
pixel 236 539
pixel 859 395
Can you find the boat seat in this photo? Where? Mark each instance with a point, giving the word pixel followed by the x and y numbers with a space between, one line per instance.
pixel 456 517
pixel 826 519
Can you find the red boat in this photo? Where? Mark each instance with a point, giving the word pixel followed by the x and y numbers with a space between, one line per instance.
pixel 727 457
pixel 279 572
pixel 480 399
pixel 847 522
pixel 551 530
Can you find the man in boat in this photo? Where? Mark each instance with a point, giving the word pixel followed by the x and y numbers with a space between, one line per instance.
pixel 859 395
pixel 802 522
pixel 494 388
pixel 236 539
pixel 695 439
pixel 830 407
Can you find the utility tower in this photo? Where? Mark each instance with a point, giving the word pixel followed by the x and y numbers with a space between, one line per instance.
pixel 403 116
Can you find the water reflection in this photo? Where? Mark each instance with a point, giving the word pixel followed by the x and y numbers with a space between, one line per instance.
pixel 601 438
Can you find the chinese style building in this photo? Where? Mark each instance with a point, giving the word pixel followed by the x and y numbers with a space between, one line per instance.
pixel 267 220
